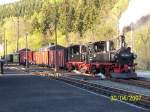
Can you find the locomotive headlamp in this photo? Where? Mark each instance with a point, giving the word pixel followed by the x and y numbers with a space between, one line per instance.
pixel 129 67
pixel 124 55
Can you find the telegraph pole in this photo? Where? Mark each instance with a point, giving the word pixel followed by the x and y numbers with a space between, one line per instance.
pixel 118 32
pixel 118 39
pixel 4 45
pixel 18 34
pixel 55 37
pixel 132 39
pixel 26 51
pixel 55 47
pixel 6 51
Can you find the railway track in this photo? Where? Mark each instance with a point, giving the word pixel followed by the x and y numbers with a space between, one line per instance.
pixel 107 91
pixel 101 89
pixel 136 82
pixel 141 83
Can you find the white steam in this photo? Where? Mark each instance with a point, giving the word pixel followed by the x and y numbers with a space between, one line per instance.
pixel 137 13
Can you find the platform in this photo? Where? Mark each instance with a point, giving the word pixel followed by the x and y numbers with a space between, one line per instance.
pixel 28 93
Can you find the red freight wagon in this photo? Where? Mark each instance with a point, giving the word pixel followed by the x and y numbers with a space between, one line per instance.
pixel 37 58
pixel 22 54
pixel 44 57
pixel 61 56
pixel 40 58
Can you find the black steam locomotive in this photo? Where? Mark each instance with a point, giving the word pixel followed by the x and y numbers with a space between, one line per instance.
pixel 102 57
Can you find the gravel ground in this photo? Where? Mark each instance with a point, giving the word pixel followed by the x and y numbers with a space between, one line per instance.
pixel 145 74
pixel 127 87
pixel 136 89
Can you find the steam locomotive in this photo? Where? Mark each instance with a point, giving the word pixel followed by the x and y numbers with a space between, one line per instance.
pixel 102 57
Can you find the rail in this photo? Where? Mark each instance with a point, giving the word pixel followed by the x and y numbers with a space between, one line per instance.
pixel 141 83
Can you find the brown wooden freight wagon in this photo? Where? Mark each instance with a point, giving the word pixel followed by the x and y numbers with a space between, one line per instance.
pixel 23 58
pixel 36 58
pixel 60 58
pixel 41 58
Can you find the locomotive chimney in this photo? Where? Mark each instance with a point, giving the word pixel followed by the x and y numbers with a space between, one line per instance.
pixel 122 40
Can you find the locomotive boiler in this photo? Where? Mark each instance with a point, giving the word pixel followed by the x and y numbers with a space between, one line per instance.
pixel 104 51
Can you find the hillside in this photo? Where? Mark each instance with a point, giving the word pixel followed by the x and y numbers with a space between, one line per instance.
pixel 77 21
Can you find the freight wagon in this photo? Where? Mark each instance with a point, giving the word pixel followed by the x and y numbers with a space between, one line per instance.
pixel 24 57
pixel 13 58
pixel 41 58
pixel 48 56
pixel 60 56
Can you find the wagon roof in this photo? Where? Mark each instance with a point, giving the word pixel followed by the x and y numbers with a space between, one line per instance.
pixel 24 49
pixel 52 47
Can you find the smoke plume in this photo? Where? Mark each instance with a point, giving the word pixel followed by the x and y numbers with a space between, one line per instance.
pixel 138 13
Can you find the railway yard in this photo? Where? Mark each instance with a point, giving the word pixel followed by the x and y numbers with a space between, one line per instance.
pixel 74 56
pixel 41 90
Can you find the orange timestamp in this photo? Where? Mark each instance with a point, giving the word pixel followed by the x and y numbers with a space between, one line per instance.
pixel 130 98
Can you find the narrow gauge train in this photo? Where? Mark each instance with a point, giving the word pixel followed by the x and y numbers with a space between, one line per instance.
pixel 96 57
pixel 102 57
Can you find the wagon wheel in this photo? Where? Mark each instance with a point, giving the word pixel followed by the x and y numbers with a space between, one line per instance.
pixel 68 67
pixel 69 70
pixel 76 67
pixel 102 70
pixel 93 70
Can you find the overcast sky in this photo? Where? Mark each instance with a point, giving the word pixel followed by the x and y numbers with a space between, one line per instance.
pixel 7 1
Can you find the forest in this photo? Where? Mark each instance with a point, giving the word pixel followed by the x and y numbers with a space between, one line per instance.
pixel 76 21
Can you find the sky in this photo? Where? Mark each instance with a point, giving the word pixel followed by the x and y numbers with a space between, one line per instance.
pixel 7 1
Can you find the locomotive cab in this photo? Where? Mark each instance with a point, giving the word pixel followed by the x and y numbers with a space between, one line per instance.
pixel 100 51
pixel 76 52
pixel 76 57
